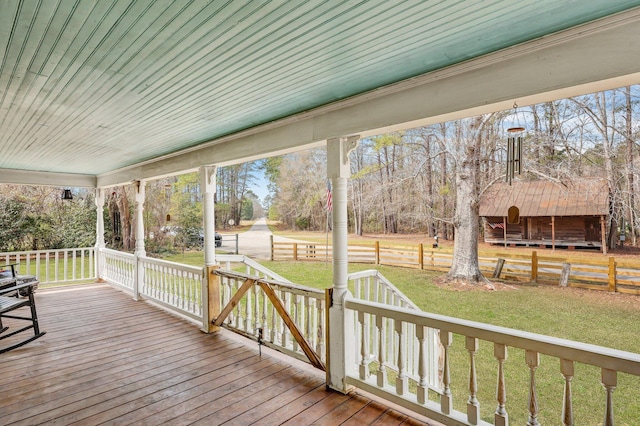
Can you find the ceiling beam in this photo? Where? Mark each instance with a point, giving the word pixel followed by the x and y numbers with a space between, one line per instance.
pixel 69 180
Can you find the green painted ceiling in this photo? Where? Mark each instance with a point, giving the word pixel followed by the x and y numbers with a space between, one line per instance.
pixel 93 86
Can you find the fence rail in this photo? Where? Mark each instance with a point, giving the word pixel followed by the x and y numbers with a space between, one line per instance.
pixel 606 274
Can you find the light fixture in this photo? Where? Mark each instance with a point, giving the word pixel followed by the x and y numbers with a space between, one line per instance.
pixel 67 195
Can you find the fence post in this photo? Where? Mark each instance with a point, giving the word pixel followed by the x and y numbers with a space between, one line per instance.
pixel 237 238
pixel 377 252
pixel 421 256
pixel 498 270
pixel 534 266
pixel 564 277
pixel 271 239
pixel 612 274
pixel 295 251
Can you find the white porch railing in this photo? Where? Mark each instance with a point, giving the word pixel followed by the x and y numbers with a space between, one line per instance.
pixel 174 285
pixel 413 393
pixel 118 268
pixel 372 286
pixel 54 266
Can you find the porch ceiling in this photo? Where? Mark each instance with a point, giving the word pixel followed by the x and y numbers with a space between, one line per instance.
pixel 103 92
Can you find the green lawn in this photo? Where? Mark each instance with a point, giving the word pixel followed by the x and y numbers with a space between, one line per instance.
pixel 586 316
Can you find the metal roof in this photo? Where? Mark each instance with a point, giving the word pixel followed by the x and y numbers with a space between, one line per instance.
pixel 96 87
pixel 586 197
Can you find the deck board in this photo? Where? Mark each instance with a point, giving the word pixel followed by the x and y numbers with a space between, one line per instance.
pixel 107 359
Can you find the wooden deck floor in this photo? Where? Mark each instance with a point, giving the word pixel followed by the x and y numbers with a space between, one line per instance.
pixel 107 359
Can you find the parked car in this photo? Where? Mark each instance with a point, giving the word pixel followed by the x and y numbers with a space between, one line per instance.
pixel 217 237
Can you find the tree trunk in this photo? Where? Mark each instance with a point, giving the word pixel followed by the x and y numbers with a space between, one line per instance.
pixel 466 266
pixel 630 168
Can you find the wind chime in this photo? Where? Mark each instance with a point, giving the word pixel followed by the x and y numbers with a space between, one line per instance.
pixel 514 150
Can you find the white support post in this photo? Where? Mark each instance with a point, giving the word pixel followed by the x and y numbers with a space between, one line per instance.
pixel 98 261
pixel 342 336
pixel 139 187
pixel 210 293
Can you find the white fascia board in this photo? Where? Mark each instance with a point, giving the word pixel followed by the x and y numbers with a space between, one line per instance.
pixel 69 180
pixel 600 55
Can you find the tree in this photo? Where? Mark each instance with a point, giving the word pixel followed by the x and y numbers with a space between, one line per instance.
pixel 465 265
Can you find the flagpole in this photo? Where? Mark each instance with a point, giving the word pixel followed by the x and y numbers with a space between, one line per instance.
pixel 326 246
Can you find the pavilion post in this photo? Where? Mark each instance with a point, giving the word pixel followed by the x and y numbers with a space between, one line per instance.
pixel 211 282
pixel 342 340
pixel 140 251
pixel 98 263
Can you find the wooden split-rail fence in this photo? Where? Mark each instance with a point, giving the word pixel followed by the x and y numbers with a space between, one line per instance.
pixel 606 273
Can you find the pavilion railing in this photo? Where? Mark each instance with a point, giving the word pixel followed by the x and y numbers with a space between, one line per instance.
pixel 54 266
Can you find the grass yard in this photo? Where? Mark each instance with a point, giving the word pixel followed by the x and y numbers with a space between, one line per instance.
pixel 598 318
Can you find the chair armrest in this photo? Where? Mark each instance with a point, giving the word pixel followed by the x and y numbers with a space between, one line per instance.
pixel 13 288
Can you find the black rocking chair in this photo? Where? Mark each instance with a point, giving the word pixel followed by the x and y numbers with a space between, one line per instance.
pixel 9 301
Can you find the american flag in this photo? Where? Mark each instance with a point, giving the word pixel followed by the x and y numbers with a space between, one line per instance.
pixel 329 205
pixel 498 225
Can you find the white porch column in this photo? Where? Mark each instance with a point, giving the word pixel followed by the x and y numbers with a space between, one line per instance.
pixel 211 282
pixel 341 333
pixel 208 190
pixel 99 201
pixel 139 187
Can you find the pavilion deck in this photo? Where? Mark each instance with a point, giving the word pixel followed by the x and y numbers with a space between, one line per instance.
pixel 107 359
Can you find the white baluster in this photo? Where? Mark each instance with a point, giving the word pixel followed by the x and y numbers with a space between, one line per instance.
pixel 364 345
pixel 382 350
pixel 533 361
pixel 257 323
pixel 609 381
pixel 566 368
pixel 423 385
pixel 320 325
pixel 284 339
pixel 248 307
pixel 402 382
pixel 501 418
pixel 274 323
pixel 267 331
pixel 446 399
pixel 473 406
pixel 296 316
pixel 308 316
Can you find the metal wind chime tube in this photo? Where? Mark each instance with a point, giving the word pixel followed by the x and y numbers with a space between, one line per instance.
pixel 514 153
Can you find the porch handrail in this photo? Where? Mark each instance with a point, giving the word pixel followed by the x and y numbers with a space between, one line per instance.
pixel 252 267
pixel 611 361
pixel 54 266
